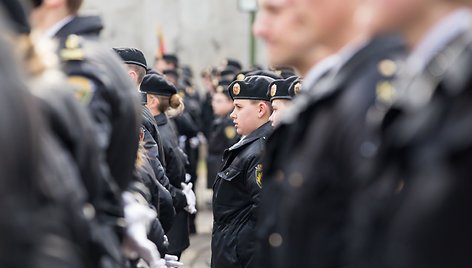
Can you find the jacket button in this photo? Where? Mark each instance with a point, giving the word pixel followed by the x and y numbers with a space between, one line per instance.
pixel 275 240
pixel 296 180
pixel 227 173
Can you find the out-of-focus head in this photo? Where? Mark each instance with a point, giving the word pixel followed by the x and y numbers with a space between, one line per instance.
pixel 46 13
pixel 166 62
pixel 172 75
pixel 222 103
pixel 391 15
pixel 292 29
pixel 410 17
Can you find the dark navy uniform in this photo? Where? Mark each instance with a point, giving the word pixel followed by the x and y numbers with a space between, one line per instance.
pixel 43 198
pixel 422 192
pixel 102 83
pixel 155 154
pixel 237 186
pixel 314 159
pixel 222 137
pixel 235 199
pixel 175 164
pixel 175 170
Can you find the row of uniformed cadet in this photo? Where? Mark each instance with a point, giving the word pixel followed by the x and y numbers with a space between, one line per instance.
pixel 98 179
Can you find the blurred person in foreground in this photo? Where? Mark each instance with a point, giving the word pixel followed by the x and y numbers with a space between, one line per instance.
pixel 42 196
pixel 416 211
pixel 98 77
pixel 316 156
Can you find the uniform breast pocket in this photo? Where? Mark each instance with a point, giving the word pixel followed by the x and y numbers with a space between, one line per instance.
pixel 229 174
pixel 226 187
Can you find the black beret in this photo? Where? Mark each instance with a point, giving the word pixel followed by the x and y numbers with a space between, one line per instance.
pixel 233 63
pixel 280 89
pixel 229 70
pixel 295 87
pixel 223 87
pixel 157 85
pixel 243 75
pixel 187 71
pixel 171 58
pixel 173 72
pixel 152 71
pixel 253 87
pixel 284 71
pixel 132 56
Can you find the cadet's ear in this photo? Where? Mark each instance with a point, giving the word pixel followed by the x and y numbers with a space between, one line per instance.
pixel 153 101
pixel 133 75
pixel 263 109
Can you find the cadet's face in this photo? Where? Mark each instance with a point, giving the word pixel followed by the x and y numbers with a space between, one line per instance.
pixel 221 104
pixel 245 116
pixel 292 29
pixel 279 108
pixel 281 27
pixel 162 65
pixel 393 15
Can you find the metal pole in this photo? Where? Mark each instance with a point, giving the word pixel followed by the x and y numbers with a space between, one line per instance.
pixel 253 40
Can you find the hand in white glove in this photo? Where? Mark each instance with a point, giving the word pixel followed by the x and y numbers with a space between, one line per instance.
pixel 191 198
pixel 172 261
pixel 136 244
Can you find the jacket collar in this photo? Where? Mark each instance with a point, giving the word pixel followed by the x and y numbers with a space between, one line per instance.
pixel 262 132
pixel 161 119
pixel 337 81
pixel 83 25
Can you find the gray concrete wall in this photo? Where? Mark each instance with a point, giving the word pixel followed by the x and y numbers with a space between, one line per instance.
pixel 201 32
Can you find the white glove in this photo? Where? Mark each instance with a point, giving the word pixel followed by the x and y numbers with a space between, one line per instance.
pixel 194 142
pixel 191 198
pixel 136 244
pixel 188 177
pixel 172 261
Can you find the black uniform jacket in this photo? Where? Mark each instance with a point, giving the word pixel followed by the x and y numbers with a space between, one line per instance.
pixel 235 199
pixel 421 185
pixel 154 154
pixel 101 82
pixel 175 170
pixel 313 161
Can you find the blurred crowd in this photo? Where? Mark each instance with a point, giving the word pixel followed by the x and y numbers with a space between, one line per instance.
pixel 351 150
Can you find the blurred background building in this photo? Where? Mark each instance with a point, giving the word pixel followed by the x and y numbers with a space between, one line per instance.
pixel 201 32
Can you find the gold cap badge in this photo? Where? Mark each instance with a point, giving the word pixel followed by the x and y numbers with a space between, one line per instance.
pixel 236 89
pixel 273 90
pixel 297 88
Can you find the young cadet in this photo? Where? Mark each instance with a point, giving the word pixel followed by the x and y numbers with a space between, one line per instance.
pixel 223 133
pixel 162 95
pixel 422 180
pixel 238 184
pixel 167 62
pixel 281 93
